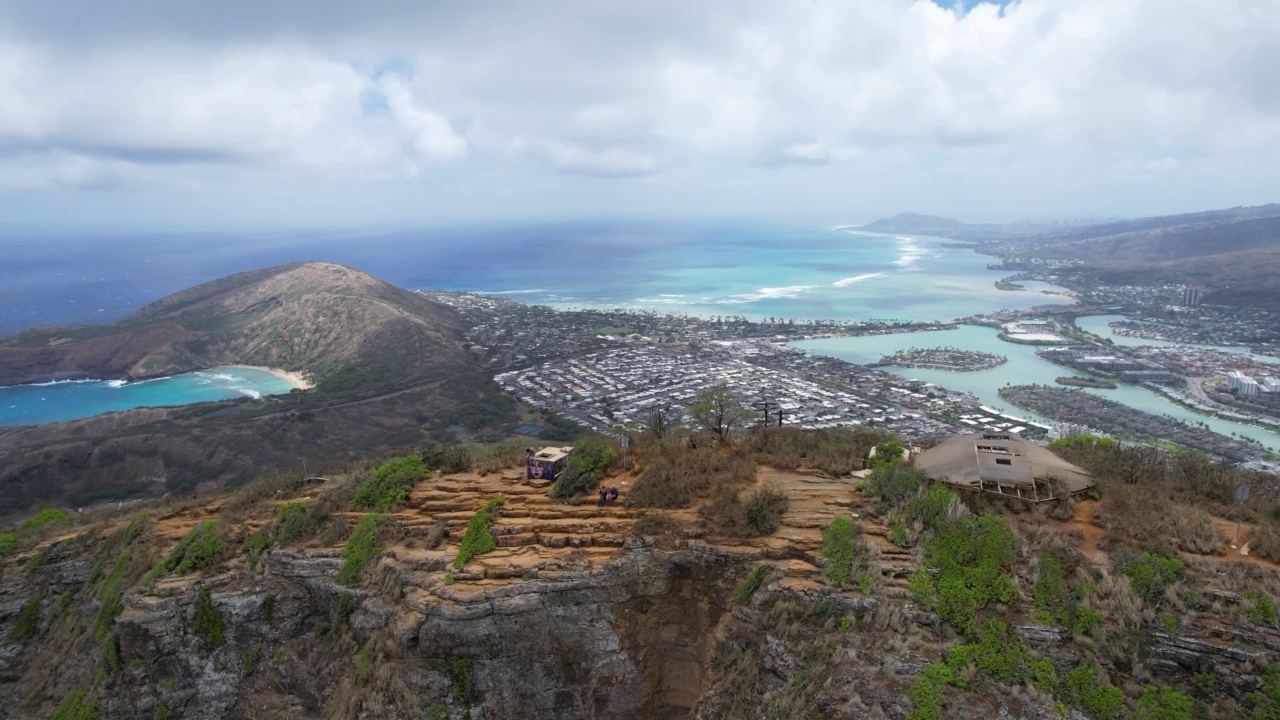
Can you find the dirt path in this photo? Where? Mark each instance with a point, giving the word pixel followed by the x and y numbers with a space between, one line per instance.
pixel 1089 532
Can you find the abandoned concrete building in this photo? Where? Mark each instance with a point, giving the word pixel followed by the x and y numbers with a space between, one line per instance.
pixel 1003 464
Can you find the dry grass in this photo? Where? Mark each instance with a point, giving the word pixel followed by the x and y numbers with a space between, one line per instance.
pixel 1152 519
pixel 677 476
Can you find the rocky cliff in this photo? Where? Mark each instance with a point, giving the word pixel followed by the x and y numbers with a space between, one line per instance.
pixel 579 612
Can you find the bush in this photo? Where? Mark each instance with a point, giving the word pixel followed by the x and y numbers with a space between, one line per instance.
pixel 1163 703
pixel 1151 574
pixel 842 547
pixel 43 518
pixel 751 583
pixel 760 514
pixel 894 483
pixel 389 487
pixel 888 454
pixel 207 623
pixel 448 458
pixel 1084 691
pixel 111 596
pixel 930 690
pixel 361 549
pixel 27 623
pixel 1265 702
pixel 676 476
pixel 478 540
pixel 73 707
pixel 294 522
pixel 201 547
pixel 972 559
pixel 591 458
pixel 8 543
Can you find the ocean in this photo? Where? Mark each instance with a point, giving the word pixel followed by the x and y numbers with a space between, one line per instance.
pixel 709 269
pixel 722 269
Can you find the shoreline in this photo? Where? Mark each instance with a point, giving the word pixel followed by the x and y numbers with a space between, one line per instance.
pixel 298 380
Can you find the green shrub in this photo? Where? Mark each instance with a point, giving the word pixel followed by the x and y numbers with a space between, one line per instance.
pixel 8 543
pixel 199 549
pixel 346 606
pixel 751 583
pixel 251 660
pixel 361 549
pixel 1262 608
pixel 269 607
pixel 930 690
pixel 888 454
pixel 389 487
pixel 207 623
pixel 364 662
pixel 592 457
pixel 894 483
pixel 293 522
pixel 1163 703
pixel 27 623
pixel 1264 704
pixel 1151 574
pixel 841 546
pixel 478 540
pixel 44 517
pixel 1050 592
pixel 111 595
pixel 972 559
pixel 1083 690
pixel 73 707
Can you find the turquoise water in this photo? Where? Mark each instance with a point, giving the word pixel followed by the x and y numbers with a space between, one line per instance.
pixel 1023 368
pixel 59 401
pixel 800 275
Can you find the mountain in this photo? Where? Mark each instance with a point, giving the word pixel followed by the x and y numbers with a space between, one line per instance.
pixel 318 317
pixel 390 365
pixel 933 225
pixel 1232 253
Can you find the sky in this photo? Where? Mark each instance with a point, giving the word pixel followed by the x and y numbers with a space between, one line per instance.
pixel 150 114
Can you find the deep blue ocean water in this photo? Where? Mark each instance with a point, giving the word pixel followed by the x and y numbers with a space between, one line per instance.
pixel 723 269
pixel 55 402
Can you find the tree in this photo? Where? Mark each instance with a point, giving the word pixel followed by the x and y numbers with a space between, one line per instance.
pixel 717 409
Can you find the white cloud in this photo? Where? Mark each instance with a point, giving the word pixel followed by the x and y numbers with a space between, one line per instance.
pixel 717 101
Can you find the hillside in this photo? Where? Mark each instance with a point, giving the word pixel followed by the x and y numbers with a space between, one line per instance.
pixel 290 599
pixel 390 364
pixel 1230 253
pixel 318 317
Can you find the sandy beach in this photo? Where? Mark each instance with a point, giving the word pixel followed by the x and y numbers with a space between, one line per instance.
pixel 298 380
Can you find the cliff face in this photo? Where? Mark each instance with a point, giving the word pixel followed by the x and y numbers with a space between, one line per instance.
pixel 579 613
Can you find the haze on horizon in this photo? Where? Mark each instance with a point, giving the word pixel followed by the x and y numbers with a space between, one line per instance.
pixel 144 114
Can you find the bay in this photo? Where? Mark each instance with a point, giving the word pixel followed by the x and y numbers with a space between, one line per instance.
pixel 71 400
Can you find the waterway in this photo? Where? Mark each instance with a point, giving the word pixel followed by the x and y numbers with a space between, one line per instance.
pixel 1024 367
pixel 71 400
pixel 1100 325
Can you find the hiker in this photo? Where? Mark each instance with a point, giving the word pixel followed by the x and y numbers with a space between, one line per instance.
pixel 613 494
pixel 603 494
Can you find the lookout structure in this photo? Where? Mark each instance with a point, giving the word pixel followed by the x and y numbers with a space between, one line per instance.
pixel 1003 464
pixel 545 464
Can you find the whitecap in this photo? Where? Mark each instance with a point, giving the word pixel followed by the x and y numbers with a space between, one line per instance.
pixel 767 293
pixel 857 279
pixel 116 383
pixel 246 391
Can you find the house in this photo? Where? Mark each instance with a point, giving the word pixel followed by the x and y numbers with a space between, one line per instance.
pixel 1003 464
pixel 545 464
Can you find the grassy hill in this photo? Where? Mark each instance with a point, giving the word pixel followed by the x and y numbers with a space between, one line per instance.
pixel 390 366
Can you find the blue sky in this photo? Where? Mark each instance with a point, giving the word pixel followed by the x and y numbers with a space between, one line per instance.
pixel 319 113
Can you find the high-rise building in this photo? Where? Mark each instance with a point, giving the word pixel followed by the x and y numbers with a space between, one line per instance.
pixel 1190 296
